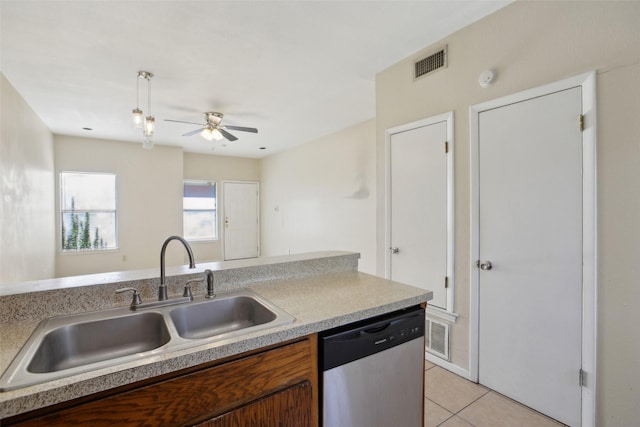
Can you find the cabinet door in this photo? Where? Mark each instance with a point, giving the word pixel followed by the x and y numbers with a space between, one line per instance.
pixel 289 407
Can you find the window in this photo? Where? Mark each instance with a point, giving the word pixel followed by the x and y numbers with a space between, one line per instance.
pixel 200 219
pixel 88 211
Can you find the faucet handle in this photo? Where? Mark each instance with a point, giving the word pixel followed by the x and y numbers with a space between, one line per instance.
pixel 187 288
pixel 210 285
pixel 137 300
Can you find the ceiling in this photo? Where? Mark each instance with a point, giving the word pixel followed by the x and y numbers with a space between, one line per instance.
pixel 296 70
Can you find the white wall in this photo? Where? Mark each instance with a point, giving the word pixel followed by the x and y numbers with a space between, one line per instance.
pixel 531 44
pixel 321 196
pixel 217 169
pixel 149 203
pixel 27 239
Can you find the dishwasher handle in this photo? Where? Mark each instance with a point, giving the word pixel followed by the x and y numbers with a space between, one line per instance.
pixel 376 329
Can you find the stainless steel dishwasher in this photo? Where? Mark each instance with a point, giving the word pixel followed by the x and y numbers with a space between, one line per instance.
pixel 372 372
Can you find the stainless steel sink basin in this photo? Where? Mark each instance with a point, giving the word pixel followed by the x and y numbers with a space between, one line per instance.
pixel 220 316
pixel 96 341
pixel 69 345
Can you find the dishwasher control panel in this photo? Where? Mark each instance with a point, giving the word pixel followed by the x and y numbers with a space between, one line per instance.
pixel 402 335
pixel 355 341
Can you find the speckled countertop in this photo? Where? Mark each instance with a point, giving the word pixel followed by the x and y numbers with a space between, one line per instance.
pixel 319 299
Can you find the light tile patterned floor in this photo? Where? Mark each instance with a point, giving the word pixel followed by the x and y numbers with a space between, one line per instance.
pixel 452 401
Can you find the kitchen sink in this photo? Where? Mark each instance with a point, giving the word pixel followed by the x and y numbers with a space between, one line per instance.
pixel 96 341
pixel 220 317
pixel 68 345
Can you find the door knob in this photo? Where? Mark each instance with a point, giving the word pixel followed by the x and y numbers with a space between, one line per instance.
pixel 394 250
pixel 485 265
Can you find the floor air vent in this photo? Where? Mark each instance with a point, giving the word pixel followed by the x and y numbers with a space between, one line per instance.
pixel 431 63
pixel 438 339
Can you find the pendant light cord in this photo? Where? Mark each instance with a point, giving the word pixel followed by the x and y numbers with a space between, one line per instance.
pixel 138 93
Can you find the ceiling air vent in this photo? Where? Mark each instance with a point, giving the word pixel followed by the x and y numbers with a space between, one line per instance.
pixel 431 63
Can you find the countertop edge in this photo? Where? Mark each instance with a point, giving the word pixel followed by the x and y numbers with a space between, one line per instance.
pixel 26 399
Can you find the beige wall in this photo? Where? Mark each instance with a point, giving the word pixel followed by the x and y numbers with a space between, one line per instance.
pixel 149 203
pixel 321 196
pixel 27 240
pixel 619 245
pixel 217 169
pixel 530 44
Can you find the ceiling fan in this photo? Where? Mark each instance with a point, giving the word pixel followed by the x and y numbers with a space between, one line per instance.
pixel 213 129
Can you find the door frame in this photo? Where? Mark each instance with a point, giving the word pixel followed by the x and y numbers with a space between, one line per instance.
pixel 223 211
pixel 587 82
pixel 388 133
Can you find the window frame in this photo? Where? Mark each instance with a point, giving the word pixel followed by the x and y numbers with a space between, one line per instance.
pixel 216 228
pixel 62 211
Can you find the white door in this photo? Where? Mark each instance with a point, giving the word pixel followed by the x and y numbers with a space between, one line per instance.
pixel 530 250
pixel 241 220
pixel 418 209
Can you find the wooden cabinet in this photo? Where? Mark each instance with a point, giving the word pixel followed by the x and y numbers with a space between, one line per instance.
pixel 275 387
pixel 289 407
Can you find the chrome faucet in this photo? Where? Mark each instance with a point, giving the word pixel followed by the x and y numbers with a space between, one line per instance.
pixel 162 289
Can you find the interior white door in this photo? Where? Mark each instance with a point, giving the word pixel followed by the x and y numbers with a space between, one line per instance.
pixel 418 211
pixel 241 220
pixel 530 237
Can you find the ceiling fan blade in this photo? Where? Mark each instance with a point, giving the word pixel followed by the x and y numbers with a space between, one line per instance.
pixel 193 132
pixel 180 121
pixel 227 135
pixel 241 128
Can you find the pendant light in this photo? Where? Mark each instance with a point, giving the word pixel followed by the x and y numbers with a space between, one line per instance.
pixel 148 124
pixel 137 112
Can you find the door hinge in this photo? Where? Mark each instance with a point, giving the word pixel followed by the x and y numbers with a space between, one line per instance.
pixel 446 147
pixel 446 282
pixel 581 122
pixel 582 378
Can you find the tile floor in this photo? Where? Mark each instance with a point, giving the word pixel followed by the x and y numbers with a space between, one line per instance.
pixel 452 401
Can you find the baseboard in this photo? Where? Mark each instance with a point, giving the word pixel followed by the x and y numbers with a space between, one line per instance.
pixel 449 366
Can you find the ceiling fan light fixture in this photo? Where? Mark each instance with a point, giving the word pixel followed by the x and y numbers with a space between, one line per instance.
pixel 207 134
pixel 216 134
pixel 211 134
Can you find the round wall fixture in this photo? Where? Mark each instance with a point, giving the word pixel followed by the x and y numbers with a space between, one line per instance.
pixel 486 78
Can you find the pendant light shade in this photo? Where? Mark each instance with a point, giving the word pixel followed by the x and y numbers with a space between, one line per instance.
pixel 149 126
pixel 137 118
